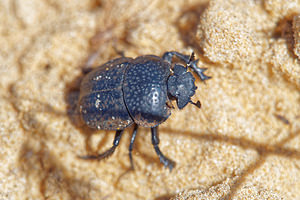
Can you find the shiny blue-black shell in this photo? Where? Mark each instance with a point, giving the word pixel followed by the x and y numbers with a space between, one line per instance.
pixel 124 91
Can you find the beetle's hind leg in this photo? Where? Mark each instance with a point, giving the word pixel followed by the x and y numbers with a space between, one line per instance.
pixel 107 153
pixel 131 144
pixel 164 160
pixel 189 61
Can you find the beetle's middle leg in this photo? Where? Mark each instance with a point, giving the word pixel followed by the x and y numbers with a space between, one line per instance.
pixel 164 160
pixel 189 61
pixel 131 144
pixel 107 153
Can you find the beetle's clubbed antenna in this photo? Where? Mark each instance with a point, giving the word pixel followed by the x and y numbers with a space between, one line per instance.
pixel 197 104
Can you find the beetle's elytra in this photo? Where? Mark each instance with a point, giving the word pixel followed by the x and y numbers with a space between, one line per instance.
pixel 139 91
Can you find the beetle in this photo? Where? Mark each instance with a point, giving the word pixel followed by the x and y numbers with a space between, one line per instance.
pixel 127 91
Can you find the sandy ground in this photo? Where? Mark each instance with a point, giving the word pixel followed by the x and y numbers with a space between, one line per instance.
pixel 244 143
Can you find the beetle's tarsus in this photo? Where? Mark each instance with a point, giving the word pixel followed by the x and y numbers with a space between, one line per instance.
pixel 167 163
pixel 199 71
pixel 163 159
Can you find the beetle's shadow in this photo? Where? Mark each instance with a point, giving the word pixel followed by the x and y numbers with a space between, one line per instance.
pixel 284 30
pixel 50 171
pixel 187 24
pixel 42 169
pixel 263 150
pixel 41 165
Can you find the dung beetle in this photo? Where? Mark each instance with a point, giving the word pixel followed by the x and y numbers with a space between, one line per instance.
pixel 139 91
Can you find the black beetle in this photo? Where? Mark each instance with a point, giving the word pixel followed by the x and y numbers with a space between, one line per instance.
pixel 127 91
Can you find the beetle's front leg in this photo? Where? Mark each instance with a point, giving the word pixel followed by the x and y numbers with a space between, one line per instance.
pixel 189 61
pixel 170 54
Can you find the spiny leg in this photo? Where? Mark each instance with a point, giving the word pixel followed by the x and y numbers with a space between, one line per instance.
pixel 164 160
pixel 189 60
pixel 168 56
pixel 131 144
pixel 107 153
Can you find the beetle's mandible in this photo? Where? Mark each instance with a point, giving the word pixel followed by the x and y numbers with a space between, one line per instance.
pixel 139 91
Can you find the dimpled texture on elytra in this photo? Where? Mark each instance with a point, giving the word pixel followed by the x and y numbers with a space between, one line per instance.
pixel 145 90
pixel 101 100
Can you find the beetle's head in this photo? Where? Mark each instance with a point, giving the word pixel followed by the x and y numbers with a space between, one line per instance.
pixel 181 86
